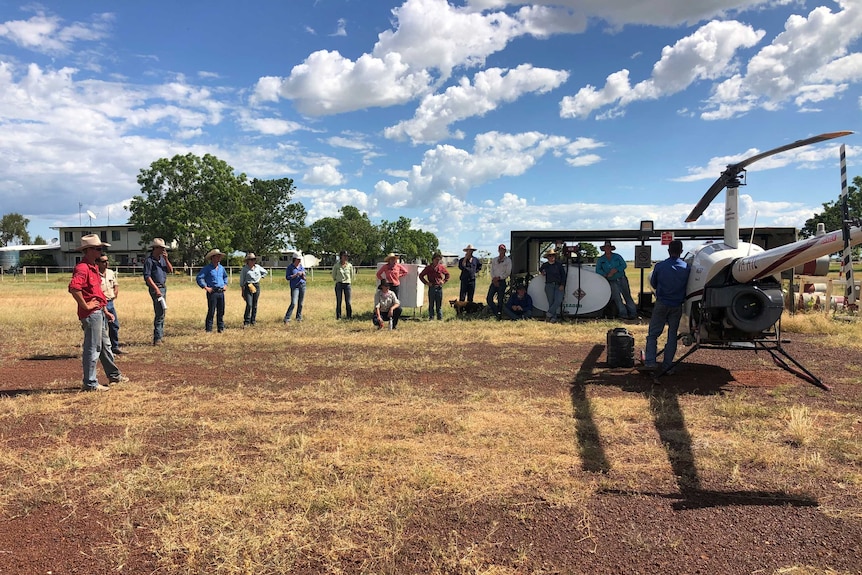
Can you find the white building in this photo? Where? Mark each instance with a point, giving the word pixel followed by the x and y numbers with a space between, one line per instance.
pixel 125 250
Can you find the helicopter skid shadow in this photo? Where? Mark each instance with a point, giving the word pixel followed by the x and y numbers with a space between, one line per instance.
pixel 669 421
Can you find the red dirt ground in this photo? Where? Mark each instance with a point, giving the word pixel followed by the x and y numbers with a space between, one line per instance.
pixel 681 527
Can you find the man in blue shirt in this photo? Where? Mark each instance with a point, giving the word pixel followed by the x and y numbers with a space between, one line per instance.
pixel 669 280
pixel 213 279
pixel 295 274
pixel 157 266
pixel 613 267
pixel 520 304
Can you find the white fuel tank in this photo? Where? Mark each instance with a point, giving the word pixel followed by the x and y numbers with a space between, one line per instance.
pixel 587 293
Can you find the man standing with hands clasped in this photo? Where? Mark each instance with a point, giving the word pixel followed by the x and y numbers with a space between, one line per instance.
pixel 213 279
pixel 157 266
pixel 613 267
pixel 501 269
pixel 86 289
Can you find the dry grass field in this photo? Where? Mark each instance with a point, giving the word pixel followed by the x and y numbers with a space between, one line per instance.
pixel 454 447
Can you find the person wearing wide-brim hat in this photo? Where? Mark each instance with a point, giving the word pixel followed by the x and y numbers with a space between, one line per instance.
pixel 213 279
pixel 157 268
pixel 343 275
pixel 469 266
pixel 86 289
pixel 392 272
pixel 612 266
pixel 249 283
pixel 501 269
pixel 435 275
pixel 387 307
pixel 555 285
pixel 295 274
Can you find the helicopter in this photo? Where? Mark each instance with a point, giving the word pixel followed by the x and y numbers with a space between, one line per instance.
pixel 733 297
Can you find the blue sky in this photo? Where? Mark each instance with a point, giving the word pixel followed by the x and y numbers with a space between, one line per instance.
pixel 472 118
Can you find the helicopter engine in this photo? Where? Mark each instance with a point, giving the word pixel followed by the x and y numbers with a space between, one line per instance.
pixel 738 312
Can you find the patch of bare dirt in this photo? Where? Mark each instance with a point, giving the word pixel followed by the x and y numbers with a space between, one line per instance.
pixel 680 527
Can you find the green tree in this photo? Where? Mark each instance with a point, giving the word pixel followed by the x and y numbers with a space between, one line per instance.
pixel 13 230
pixel 400 238
pixel 266 220
pixel 590 250
pixel 191 200
pixel 832 216
pixel 39 241
pixel 351 231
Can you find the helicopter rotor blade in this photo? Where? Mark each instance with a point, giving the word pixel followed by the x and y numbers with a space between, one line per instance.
pixel 733 170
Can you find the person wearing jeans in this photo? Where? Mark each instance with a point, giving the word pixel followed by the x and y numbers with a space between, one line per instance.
pixel 343 275
pixel 613 267
pixel 501 269
pixel 213 280
pixel 434 276
pixel 669 280
pixel 249 281
pixel 157 266
pixel 86 289
pixel 555 285
pixel 295 274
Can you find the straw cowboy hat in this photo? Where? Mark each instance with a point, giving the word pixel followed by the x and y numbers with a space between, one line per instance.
pixel 250 256
pixel 92 241
pixel 213 252
pixel 158 243
pixel 390 257
pixel 608 244
pixel 469 248
pixel 550 253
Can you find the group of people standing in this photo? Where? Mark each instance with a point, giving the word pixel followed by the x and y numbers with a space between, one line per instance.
pixel 94 288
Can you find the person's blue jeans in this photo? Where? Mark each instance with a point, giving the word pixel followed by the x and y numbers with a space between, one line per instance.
pixel 468 290
pixel 159 314
pixel 500 291
pixel 342 290
pixel 662 315
pixel 621 294
pixel 250 315
pixel 435 302
pixel 297 296
pixel 215 307
pixel 113 327
pixel 97 347
pixel 515 315
pixel 555 299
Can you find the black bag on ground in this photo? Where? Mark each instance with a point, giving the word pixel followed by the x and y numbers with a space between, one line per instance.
pixel 621 348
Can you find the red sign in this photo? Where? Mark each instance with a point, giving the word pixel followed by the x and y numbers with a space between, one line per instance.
pixel 666 238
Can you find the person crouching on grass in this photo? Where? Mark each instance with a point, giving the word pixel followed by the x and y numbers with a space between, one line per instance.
pixel 86 289
pixel 386 306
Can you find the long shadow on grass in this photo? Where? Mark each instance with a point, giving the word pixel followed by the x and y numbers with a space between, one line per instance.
pixel 12 393
pixel 669 421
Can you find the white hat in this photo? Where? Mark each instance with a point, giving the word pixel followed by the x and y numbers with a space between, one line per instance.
pixel 213 252
pixel 250 256
pixel 92 241
pixel 158 243
pixel 469 248
pixel 296 256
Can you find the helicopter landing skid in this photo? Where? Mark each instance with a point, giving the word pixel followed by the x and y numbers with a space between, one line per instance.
pixel 772 347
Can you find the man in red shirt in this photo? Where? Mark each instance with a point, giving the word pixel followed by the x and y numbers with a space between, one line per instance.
pixel 86 289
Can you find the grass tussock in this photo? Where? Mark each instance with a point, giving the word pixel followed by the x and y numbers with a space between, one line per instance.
pixel 279 448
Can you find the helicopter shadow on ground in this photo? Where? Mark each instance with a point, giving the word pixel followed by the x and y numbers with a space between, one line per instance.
pixel 669 419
